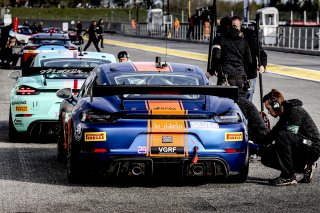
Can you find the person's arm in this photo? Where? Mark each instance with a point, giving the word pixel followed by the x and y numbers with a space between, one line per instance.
pixel 263 59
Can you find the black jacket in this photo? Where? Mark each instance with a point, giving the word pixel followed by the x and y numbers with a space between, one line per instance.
pixel 231 58
pixel 295 119
pixel 257 129
pixel 100 28
pixel 251 38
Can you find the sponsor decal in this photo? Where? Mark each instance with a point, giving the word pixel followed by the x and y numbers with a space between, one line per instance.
pixel 78 132
pixel 167 139
pixel 164 108
pixel 17 122
pixel 203 125
pixel 95 136
pixel 22 108
pixel 64 71
pixel 233 136
pixel 168 125
pixel 142 149
pixel 18 102
pixel 167 150
pixel 35 105
pixel 293 129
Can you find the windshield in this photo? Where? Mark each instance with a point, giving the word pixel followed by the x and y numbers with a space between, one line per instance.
pixel 25 31
pixel 73 62
pixel 152 78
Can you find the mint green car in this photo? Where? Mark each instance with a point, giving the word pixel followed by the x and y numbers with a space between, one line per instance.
pixel 34 106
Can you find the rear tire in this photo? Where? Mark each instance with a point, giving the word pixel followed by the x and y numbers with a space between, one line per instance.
pixel 62 153
pixel 242 176
pixel 73 165
pixel 14 135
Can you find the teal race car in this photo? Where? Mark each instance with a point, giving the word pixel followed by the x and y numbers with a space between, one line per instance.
pixel 34 106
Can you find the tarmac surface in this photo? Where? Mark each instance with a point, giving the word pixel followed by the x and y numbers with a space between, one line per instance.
pixel 31 179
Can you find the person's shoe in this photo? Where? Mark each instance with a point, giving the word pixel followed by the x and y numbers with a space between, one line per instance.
pixel 281 181
pixel 308 173
pixel 101 47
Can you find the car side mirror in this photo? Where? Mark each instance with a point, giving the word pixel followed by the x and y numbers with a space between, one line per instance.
pixel 15 74
pixel 64 93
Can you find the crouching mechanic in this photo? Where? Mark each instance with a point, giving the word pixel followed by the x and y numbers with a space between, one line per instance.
pixel 293 144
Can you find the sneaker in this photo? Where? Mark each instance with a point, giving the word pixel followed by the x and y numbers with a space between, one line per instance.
pixel 309 172
pixel 280 181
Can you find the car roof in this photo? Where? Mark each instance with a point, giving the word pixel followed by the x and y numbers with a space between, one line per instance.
pixel 50 36
pixel 72 54
pixel 150 67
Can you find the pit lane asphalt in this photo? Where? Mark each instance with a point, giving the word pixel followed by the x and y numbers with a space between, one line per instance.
pixel 31 180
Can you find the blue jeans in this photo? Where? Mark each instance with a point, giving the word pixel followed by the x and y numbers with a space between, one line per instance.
pixel 249 93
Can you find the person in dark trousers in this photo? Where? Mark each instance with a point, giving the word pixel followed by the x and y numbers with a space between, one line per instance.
pixel 252 71
pixel 191 27
pixel 293 144
pixel 3 41
pixel 10 58
pixel 26 24
pixel 92 36
pixel 78 31
pixel 40 27
pixel 34 28
pixel 230 56
pixel 100 30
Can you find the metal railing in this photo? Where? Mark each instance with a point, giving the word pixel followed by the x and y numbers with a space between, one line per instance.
pixel 297 38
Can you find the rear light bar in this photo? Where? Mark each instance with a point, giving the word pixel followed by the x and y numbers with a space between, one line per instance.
pixel 71 47
pixel 24 115
pixel 30 47
pixel 26 90
pixel 100 150
pixel 234 150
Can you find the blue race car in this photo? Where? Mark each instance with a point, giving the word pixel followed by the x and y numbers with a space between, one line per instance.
pixel 129 119
pixel 34 105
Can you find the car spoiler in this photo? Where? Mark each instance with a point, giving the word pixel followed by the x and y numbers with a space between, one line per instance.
pixel 221 91
pixel 30 71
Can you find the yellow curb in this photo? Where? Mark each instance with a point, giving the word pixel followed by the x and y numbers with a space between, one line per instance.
pixel 271 68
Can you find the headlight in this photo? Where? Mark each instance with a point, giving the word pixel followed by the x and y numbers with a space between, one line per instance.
pixel 232 116
pixel 97 116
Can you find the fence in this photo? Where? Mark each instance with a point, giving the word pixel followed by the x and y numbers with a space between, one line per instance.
pixel 297 38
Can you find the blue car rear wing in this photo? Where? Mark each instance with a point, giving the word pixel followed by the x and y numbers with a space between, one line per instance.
pixel 221 91
pixel 31 71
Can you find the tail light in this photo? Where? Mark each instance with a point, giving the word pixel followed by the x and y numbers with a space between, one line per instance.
pixel 26 90
pixel 30 47
pixel 71 47
pixel 97 116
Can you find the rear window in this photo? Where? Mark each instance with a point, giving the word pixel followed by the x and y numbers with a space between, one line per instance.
pixel 72 62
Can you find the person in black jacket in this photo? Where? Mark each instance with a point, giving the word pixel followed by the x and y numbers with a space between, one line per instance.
pixel 100 30
pixel 230 56
pixel 250 36
pixel 10 57
pixel 92 36
pixel 293 144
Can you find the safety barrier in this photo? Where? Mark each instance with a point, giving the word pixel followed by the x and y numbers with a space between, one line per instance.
pixel 288 37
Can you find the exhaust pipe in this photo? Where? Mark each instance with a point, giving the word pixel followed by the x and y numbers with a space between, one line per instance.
pixel 197 170
pixel 136 170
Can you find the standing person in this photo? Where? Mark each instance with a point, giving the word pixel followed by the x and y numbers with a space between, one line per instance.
pixel 296 138
pixel 206 29
pixel 230 56
pixel 40 27
pixel 78 30
pixel 176 25
pixel 123 56
pixel 10 58
pixel 252 71
pixel 100 30
pixel 3 40
pixel 25 23
pixel 34 28
pixel 134 25
pixel 191 27
pixel 92 36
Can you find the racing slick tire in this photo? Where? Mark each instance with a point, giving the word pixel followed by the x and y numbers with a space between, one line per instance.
pixel 73 166
pixel 62 154
pixel 242 176
pixel 14 135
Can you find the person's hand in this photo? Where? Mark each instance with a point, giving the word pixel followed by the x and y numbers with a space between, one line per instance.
pixel 261 69
pixel 208 75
